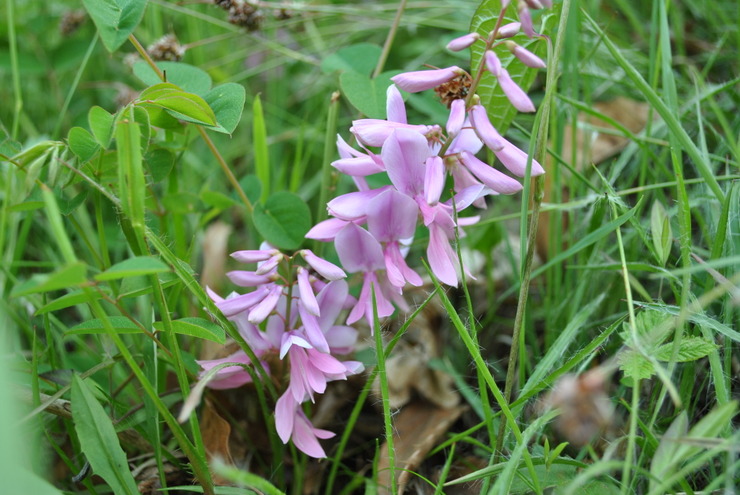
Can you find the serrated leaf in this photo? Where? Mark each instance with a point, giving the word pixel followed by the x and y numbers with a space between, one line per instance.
pixel 82 143
pixel 180 104
pixel 227 102
pixel 635 365
pixel 115 19
pixel 120 324
pixel 187 77
pixel 651 327
pixel 68 276
pixel 101 125
pixel 365 94
pixel 99 441
pixel 133 267
pixel 696 318
pixel 500 110
pixel 283 221
pixel 361 58
pixel 690 349
pixel 196 327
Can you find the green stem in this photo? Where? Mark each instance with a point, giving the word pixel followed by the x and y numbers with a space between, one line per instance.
pixel 329 151
pixel 73 87
pixel 384 394
pixel 389 39
pixel 18 107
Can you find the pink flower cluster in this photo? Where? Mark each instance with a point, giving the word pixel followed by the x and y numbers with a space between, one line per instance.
pixel 418 159
pixel 292 310
pixel 301 328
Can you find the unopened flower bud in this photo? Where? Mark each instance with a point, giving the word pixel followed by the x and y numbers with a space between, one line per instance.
pixel 493 64
pixel 463 42
pixel 514 93
pixel 421 80
pixel 508 30
pixel 528 58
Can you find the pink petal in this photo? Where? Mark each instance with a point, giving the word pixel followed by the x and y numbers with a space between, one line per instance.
pixel 509 30
pixel 308 299
pixel 326 230
pixel 252 255
pixel 440 255
pixel 413 82
pixel 328 270
pixel 457 117
pixel 285 409
pixel 466 140
pixel 527 58
pixel 392 216
pixel 358 250
pixel 485 130
pixel 305 438
pixel 247 279
pixel 357 166
pixel 395 108
pixel 493 64
pixel 491 177
pixel 463 42
pixel 404 154
pixel 374 132
pixel 514 93
pixel 434 179
pixel 260 311
pixel 353 206
pixel 331 301
pixel 313 331
pixel 515 160
pixel 235 305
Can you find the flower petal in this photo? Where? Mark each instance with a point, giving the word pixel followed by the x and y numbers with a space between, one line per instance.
pixel 404 154
pixel 358 250
pixel 421 80
pixel 395 108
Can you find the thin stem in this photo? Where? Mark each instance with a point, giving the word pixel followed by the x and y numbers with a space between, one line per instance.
pixel 73 87
pixel 18 107
pixel 389 39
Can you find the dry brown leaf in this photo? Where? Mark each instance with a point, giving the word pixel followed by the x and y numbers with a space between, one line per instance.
pixel 417 429
pixel 215 431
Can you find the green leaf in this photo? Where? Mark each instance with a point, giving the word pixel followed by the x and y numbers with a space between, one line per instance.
pixel 690 349
pixel 227 101
pixel 67 206
pixel 69 276
pixel 138 286
pixel 99 441
pixel 196 327
pixel 663 457
pixel 131 182
pixel 252 187
pixel 361 58
pixel 651 327
pixel 180 104
pixel 635 365
pixel 132 267
pixel 216 199
pixel 82 143
pixel 660 229
pixel 120 324
pixel 500 110
pixel 365 94
pixel 101 125
pixel 283 220
pixel 187 77
pixel 115 19
pixel 696 318
pixel 72 299
pixel 159 162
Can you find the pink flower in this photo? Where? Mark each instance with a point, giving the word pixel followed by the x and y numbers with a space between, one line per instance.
pixel 514 93
pixel 509 30
pixel 463 42
pixel 525 56
pixel 292 424
pixel 490 176
pixel 421 80
pixel 328 270
pixel 515 160
pixel 483 128
pixel 230 376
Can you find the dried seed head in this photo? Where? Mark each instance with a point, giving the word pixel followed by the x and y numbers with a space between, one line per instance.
pixel 166 48
pixel 224 4
pixel 71 21
pixel 283 14
pixel 455 89
pixel 586 410
pixel 246 15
